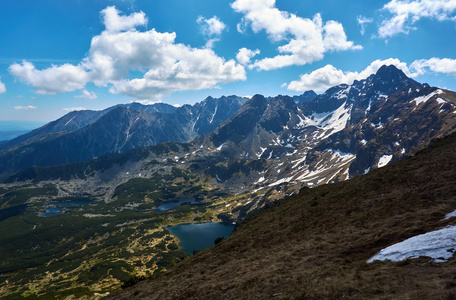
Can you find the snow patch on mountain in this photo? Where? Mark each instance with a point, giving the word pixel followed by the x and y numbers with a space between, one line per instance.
pixel 339 159
pixel 440 101
pixel 422 99
pixel 384 160
pixel 330 122
pixel 338 120
pixel 69 121
pixel 450 215
pixel 378 125
pixel 213 115
pixel 260 180
pixel 368 107
pixel 438 245
pixel 283 180
pixel 343 93
pixel 339 153
pixel 261 152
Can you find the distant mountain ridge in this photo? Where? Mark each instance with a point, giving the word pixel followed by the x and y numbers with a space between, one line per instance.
pixel 82 135
pixel 344 132
pixel 307 96
pixel 77 119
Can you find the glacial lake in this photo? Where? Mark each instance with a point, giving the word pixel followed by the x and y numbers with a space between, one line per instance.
pixel 59 208
pixel 199 236
pixel 174 203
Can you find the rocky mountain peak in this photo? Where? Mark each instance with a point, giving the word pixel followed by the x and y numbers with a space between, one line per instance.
pixel 389 79
pixel 306 96
pixel 257 101
pixel 389 72
pixel 239 125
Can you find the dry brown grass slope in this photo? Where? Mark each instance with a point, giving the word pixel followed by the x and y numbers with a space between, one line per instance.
pixel 314 245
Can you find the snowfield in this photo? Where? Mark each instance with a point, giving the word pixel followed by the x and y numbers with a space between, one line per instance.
pixel 438 245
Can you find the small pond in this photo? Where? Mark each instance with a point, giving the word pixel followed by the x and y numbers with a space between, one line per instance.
pixel 59 208
pixel 174 203
pixel 199 236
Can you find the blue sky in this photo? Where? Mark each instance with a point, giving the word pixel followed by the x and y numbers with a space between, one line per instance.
pixel 57 56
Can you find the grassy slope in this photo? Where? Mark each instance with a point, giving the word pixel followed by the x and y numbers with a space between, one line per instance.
pixel 314 245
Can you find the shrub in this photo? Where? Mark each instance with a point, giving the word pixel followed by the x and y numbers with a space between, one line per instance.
pixel 218 240
pixel 132 281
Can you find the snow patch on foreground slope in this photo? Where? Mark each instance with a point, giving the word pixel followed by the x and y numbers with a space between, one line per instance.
pixel 450 215
pixel 438 245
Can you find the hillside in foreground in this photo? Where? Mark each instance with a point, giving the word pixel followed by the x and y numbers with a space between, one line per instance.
pixel 314 245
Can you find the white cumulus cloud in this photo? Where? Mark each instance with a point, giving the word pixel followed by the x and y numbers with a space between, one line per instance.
pixel 87 94
pixel 2 87
pixel 74 108
pixel 161 65
pixel 362 21
pixel 307 40
pixel 334 37
pixel 212 26
pixel 181 68
pixel 53 80
pixel 435 65
pixel 407 12
pixel 245 55
pixel 147 102
pixel 28 107
pixel 328 76
pixel 114 22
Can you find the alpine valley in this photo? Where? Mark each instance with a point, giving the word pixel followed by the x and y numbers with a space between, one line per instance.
pixel 237 157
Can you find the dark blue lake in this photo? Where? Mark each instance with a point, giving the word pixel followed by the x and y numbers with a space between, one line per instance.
pixel 174 203
pixel 59 208
pixel 51 211
pixel 199 236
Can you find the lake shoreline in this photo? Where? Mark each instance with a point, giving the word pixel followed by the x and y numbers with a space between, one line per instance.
pixel 198 236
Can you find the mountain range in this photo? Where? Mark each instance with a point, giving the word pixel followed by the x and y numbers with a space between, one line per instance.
pixel 243 143
pixel 83 135
pixel 341 133
pixel 364 124
pixel 235 156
